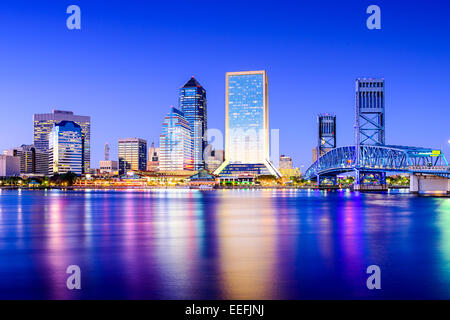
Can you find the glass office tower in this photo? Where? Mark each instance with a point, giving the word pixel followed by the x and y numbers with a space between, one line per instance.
pixel 247 125
pixel 43 125
pixel 66 148
pixel 175 143
pixel 132 155
pixel 193 105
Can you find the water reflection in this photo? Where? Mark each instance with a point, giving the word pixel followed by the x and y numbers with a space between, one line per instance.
pixel 247 244
pixel 234 244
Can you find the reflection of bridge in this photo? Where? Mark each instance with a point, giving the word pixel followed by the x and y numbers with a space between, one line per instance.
pixel 379 159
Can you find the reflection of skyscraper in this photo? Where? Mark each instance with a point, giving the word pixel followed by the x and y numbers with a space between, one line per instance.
pixel 132 155
pixel 247 125
pixel 193 105
pixel 66 148
pixel 175 143
pixel 43 125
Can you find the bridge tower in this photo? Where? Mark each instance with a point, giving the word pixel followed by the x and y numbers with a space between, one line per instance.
pixel 369 124
pixel 326 140
pixel 327 133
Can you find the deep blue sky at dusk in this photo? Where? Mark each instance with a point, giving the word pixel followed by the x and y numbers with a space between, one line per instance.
pixel 125 66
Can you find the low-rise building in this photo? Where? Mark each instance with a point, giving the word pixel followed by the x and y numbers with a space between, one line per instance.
pixel 32 160
pixel 9 166
pixel 109 167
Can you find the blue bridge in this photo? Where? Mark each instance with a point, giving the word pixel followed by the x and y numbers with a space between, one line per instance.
pixel 371 160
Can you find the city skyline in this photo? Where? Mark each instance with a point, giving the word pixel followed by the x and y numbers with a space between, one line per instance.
pixel 413 63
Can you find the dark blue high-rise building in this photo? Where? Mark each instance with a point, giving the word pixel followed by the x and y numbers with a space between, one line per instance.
pixel 193 105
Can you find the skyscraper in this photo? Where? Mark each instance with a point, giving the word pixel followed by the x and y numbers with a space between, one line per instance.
pixel 285 162
pixel 43 125
pixel 214 158
pixel 66 148
pixel 106 151
pixel 175 143
pixel 132 155
pixel 193 105
pixel 247 125
pixel 153 158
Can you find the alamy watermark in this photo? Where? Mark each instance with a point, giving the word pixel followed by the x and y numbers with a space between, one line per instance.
pixel 74 20
pixel 74 280
pixel 374 280
pixel 374 20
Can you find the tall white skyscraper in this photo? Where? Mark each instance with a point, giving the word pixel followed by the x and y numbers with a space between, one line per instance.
pixel 247 125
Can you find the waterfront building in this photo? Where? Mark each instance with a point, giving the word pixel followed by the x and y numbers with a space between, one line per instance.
pixel 292 172
pixel 43 125
pixel 32 160
pixel 9 166
pixel 66 148
pixel 285 162
pixel 193 105
pixel 246 126
pixel 132 155
pixel 153 158
pixel 214 159
pixel 175 143
pixel 109 167
pixel 202 179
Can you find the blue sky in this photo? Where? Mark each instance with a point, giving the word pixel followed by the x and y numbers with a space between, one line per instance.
pixel 125 66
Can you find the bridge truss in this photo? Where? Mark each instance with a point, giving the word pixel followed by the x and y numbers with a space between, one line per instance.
pixel 379 159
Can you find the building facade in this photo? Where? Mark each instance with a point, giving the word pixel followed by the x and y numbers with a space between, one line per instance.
pixel 194 106
pixel 175 143
pixel 32 160
pixel 285 162
pixel 153 158
pixel 132 155
pixel 247 125
pixel 43 125
pixel 109 167
pixel 214 159
pixel 9 166
pixel 66 148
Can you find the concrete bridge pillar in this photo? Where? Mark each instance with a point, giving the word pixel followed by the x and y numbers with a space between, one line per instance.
pixel 419 183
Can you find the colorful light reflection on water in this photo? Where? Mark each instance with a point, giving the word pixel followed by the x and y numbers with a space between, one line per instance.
pixel 233 244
